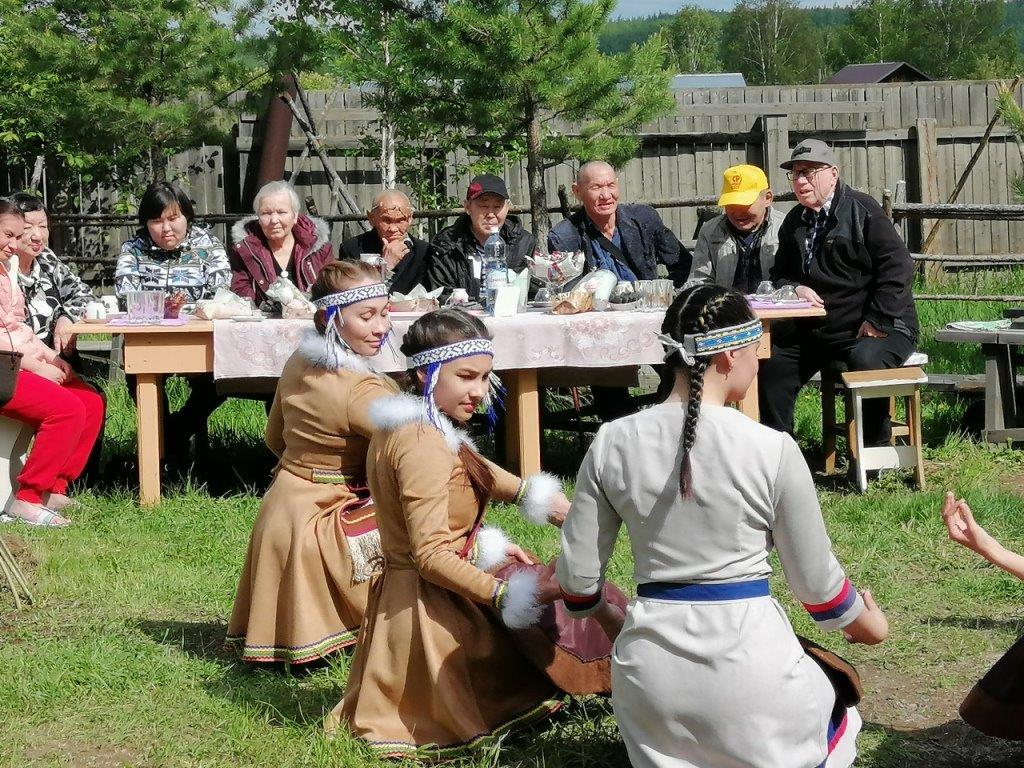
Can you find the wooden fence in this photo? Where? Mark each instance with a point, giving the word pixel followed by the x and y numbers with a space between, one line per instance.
pixel 924 133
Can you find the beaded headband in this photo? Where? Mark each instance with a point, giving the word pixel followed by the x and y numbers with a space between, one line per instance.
pixel 433 359
pixel 352 296
pixel 449 352
pixel 696 345
pixel 333 302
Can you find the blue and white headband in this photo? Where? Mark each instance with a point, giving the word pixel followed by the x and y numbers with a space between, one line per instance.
pixel 696 345
pixel 332 303
pixel 352 296
pixel 433 359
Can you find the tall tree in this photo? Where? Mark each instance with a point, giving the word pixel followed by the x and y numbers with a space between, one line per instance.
pixel 694 38
pixel 878 30
pixel 111 87
pixel 771 42
pixel 504 80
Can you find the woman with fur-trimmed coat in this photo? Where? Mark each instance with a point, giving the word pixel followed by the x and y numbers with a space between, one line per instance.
pixel 314 545
pixel 277 239
pixel 439 668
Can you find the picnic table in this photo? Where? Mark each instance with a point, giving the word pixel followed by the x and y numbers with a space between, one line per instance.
pixel 524 344
pixel 1003 407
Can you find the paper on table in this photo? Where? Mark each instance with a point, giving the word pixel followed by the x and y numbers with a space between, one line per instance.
pixel 418 292
pixel 979 325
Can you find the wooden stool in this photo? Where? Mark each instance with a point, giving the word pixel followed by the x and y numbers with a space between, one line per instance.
pixel 15 437
pixel 889 383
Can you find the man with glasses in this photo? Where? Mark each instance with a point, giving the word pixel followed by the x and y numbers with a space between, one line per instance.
pixel 838 250
pixel 405 256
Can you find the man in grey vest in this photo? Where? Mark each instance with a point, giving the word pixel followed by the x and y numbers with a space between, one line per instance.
pixel 737 249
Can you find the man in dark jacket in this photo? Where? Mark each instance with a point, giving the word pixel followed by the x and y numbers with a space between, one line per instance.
pixel 457 255
pixel 629 240
pixel 405 255
pixel 839 250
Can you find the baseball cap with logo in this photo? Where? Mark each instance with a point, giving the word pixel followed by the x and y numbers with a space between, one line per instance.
pixel 811 151
pixel 741 184
pixel 487 184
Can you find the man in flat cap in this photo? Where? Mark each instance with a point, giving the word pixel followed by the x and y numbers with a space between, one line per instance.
pixel 737 249
pixel 839 250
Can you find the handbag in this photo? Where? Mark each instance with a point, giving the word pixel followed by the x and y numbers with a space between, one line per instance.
pixel 841 673
pixel 10 364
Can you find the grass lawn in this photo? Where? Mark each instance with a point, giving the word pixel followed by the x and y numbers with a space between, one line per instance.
pixel 121 662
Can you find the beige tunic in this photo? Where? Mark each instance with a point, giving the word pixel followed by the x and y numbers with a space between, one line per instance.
pixel 298 599
pixel 434 671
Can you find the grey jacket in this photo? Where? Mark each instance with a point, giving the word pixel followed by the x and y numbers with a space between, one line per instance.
pixel 714 255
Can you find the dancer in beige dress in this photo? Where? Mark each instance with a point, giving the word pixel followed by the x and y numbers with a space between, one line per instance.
pixel 436 670
pixel 304 585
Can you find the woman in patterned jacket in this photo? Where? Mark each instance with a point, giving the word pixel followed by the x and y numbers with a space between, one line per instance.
pixel 55 297
pixel 171 253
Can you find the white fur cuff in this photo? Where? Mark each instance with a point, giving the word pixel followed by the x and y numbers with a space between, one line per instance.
pixel 491 548
pixel 540 491
pixel 520 608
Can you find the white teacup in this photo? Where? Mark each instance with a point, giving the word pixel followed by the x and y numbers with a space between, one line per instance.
pixel 95 310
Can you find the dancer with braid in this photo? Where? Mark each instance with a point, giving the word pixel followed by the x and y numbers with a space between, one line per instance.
pixel 707 670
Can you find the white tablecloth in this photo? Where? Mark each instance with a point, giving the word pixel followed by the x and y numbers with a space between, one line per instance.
pixel 530 340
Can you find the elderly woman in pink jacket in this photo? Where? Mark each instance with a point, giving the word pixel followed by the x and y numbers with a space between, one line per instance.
pixel 66 413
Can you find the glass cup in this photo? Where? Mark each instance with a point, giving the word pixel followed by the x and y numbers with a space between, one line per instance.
pixel 145 307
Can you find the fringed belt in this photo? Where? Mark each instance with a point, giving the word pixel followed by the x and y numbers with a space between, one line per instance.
pixel 704 593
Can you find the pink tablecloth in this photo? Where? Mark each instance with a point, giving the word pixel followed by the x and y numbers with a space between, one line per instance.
pixel 531 340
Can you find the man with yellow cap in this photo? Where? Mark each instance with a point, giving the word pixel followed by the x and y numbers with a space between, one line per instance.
pixel 737 249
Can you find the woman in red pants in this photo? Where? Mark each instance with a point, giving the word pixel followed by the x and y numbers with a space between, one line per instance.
pixel 66 413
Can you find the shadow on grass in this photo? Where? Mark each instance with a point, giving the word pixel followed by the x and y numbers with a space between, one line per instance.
pixel 1016 626
pixel 284 696
pixel 950 745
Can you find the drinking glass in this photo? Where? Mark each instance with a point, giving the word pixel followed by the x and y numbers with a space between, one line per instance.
pixel 145 307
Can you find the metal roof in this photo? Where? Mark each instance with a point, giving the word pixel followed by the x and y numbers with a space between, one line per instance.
pixel 875 73
pixel 711 80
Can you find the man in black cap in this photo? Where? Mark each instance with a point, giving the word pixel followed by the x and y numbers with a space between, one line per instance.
pixel 839 250
pixel 457 255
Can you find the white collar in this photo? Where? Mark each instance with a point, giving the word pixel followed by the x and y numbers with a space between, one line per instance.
pixel 313 347
pixel 389 413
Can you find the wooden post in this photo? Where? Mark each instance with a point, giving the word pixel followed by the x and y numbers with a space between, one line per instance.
pixel 928 175
pixel 776 149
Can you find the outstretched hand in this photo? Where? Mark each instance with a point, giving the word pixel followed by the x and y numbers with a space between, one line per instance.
pixel 548 588
pixel 963 529
pixel 559 509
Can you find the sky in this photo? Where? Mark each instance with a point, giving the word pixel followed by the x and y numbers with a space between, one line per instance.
pixel 632 8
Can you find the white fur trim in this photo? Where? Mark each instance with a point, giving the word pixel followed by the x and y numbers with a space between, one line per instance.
pixel 540 491
pixel 313 347
pixel 491 548
pixel 520 608
pixel 322 232
pixel 238 233
pixel 389 413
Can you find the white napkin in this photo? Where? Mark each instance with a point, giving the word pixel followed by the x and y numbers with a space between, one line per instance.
pixel 418 292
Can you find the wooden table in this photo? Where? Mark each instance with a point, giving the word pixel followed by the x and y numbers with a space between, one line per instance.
pixel 1004 411
pixel 153 352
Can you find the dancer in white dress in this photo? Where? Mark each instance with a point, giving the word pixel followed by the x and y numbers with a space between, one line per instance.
pixel 707 670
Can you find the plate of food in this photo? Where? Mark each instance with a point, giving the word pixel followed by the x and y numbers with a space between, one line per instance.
pixel 624 301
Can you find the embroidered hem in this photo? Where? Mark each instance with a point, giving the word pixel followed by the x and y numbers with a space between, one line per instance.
pixel 403 749
pixel 301 654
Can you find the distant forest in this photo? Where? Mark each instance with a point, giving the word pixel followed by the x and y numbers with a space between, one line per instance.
pixel 618 36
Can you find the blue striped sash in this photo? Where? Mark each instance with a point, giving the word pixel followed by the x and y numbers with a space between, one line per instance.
pixel 699 593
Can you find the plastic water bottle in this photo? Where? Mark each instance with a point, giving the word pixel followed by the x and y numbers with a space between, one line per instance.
pixel 494 269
